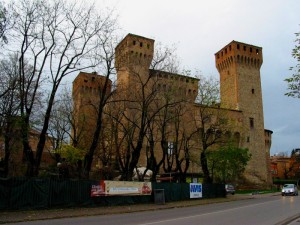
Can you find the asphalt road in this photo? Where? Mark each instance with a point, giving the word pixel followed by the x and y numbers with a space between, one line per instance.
pixel 268 210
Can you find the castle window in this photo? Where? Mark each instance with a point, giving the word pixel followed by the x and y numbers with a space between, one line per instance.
pixel 257 51
pixel 244 48
pixel 229 47
pixel 85 81
pixel 93 78
pixel 252 90
pixel 141 44
pixel 148 46
pixel 187 80
pixel 134 42
pixel 170 148
pixel 248 139
pixel 225 50
pixel 218 56
pixel 251 120
pixel 238 46
pixel 250 49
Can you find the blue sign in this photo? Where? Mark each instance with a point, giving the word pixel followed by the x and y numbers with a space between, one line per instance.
pixel 195 190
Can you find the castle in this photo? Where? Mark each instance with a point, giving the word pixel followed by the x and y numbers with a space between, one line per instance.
pixel 141 89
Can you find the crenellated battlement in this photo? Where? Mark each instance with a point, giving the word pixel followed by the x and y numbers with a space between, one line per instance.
pixel 134 50
pixel 238 52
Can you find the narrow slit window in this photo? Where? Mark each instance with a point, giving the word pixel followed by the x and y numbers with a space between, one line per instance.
pixel 251 122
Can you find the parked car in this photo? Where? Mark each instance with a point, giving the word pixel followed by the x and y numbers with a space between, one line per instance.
pixel 229 189
pixel 289 189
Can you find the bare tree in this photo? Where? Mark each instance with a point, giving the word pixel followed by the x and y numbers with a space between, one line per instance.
pixel 6 22
pixel 58 38
pixel 137 115
pixel 61 121
pixel 183 139
pixel 9 108
pixel 210 121
pixel 106 43
pixel 173 127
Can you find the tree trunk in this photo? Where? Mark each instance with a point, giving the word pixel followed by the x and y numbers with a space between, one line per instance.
pixel 206 179
pixel 42 139
pixel 27 151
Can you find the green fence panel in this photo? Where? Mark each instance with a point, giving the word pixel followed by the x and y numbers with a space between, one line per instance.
pixel 173 191
pixel 29 193
pixel 5 189
pixel 70 193
pixel 213 190
pixel 59 195
pixel 185 191
pixel 83 193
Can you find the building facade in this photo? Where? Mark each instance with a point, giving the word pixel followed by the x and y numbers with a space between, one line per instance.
pixel 241 106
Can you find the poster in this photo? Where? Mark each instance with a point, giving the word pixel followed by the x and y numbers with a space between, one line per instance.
pixel 109 188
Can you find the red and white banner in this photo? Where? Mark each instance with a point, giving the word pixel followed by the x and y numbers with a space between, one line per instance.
pixel 108 188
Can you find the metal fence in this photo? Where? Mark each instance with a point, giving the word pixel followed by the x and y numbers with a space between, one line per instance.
pixel 45 193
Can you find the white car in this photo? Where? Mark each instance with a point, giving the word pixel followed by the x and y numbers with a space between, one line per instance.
pixel 229 189
pixel 289 189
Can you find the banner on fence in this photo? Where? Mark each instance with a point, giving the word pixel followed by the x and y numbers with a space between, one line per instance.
pixel 108 188
pixel 195 190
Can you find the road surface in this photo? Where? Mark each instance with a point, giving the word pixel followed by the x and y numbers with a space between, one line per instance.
pixel 267 210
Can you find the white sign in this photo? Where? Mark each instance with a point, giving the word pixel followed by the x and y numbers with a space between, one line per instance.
pixel 195 190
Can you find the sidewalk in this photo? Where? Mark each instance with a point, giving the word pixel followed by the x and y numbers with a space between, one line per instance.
pixel 18 216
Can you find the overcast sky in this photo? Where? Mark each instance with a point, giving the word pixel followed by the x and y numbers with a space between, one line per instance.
pixel 199 28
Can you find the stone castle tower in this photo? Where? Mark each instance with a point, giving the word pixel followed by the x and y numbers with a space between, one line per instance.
pixel 240 88
pixel 87 89
pixel 134 55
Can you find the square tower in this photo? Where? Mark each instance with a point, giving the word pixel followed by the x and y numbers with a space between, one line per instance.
pixel 133 56
pixel 240 88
